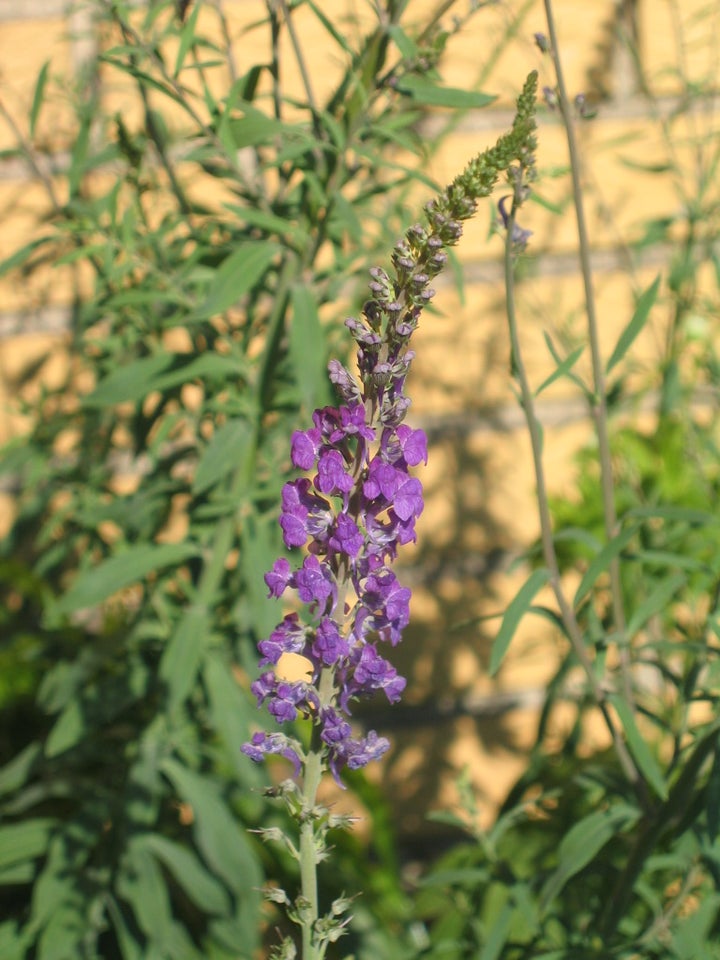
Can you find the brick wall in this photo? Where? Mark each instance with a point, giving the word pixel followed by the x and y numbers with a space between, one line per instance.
pixel 480 487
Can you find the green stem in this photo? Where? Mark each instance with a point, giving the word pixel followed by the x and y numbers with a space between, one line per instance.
pixel 599 399
pixel 567 613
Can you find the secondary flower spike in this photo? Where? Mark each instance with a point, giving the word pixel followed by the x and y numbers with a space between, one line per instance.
pixel 360 502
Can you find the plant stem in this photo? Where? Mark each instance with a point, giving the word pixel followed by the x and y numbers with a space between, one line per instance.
pixel 567 613
pixel 599 399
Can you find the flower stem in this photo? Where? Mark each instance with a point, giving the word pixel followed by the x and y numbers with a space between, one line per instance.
pixel 567 614
pixel 599 398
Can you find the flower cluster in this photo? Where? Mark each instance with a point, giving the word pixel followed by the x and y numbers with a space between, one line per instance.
pixel 357 501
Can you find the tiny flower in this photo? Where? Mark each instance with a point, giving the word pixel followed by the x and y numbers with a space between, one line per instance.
pixel 329 645
pixel 304 448
pixel 314 581
pixel 278 578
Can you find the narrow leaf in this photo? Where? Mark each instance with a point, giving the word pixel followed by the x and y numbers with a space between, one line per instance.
pixel 225 452
pixel 514 613
pixel 601 563
pixel 238 274
pixel 182 656
pixel 93 586
pixel 187 37
pixel 562 370
pixel 639 748
pixel 637 322
pixel 582 843
pixel 38 96
pixel 131 382
pixel 187 870
pixel 307 346
pixel 220 838
pixel 658 600
pixel 429 94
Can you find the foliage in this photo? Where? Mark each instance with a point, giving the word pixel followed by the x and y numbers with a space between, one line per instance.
pixel 208 219
pixel 615 855
pixel 214 226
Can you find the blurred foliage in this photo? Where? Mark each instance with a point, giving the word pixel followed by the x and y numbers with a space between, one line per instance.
pixel 208 218
pixel 581 862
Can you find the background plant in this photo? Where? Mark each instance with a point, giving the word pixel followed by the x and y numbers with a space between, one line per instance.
pixel 209 221
pixel 615 854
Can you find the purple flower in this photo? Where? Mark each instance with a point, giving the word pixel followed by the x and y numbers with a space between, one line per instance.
pixel 346 538
pixel 288 637
pixel 329 646
pixel 332 477
pixel 304 448
pixel 263 744
pixel 278 578
pixel 315 582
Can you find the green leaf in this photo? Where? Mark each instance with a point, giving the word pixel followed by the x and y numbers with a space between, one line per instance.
pixel 429 94
pixel 220 838
pixel 238 274
pixel 141 886
pixel 407 47
pixel 516 610
pixel 202 888
pixel 658 600
pixel 16 772
pixel 637 322
pixel 582 843
pixel 13 945
pixel 639 748
pixel 230 710
pixel 227 451
pixel 20 256
pixel 38 96
pixel 95 585
pixel 561 370
pixel 187 36
pixel 270 222
pixel 183 654
pixel 25 840
pixel 601 562
pixel 67 730
pixel 208 366
pixel 129 383
pixel 308 347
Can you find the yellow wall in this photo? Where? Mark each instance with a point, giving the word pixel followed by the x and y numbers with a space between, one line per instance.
pixel 480 485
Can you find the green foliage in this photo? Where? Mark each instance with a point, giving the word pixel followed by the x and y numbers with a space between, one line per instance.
pixel 208 225
pixel 613 854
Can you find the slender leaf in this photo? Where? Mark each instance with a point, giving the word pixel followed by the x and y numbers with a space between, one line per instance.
pixel 220 838
pixel 228 448
pixel 562 370
pixel 187 870
pixel 307 346
pixel 639 748
pixel 582 843
pixel 25 840
pixel 129 383
pixel 518 607
pixel 183 654
pixel 430 94
pixel 93 586
pixel 601 563
pixel 637 322
pixel 657 600
pixel 38 97
pixel 239 273
pixel 187 37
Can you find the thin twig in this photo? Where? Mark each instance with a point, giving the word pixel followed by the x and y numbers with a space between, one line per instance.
pixel 567 613
pixel 599 399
